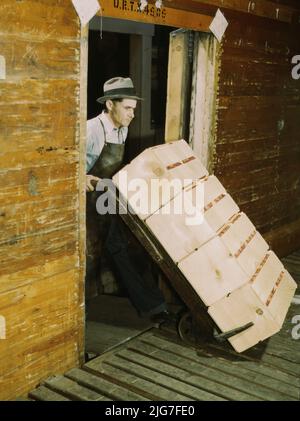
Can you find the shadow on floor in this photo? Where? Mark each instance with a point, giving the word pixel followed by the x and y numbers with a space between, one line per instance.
pixel 110 321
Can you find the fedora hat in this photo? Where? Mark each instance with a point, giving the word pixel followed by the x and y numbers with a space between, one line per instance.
pixel 118 87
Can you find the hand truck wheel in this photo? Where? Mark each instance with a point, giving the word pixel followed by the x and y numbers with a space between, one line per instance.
pixel 186 328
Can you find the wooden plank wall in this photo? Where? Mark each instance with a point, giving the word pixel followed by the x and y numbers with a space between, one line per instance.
pixel 257 154
pixel 40 269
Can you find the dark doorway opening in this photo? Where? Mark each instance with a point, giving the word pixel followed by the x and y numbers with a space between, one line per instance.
pixel 108 57
pixel 141 54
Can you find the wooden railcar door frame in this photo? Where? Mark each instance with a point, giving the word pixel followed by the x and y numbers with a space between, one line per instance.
pixel 82 186
pixel 81 136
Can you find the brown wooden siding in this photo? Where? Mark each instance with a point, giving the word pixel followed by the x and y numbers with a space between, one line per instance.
pixel 257 149
pixel 40 292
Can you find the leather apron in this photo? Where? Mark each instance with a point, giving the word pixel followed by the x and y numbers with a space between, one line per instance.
pixel 109 162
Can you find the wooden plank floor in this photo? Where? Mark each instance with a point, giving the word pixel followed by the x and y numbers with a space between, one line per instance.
pixel 157 365
pixel 110 321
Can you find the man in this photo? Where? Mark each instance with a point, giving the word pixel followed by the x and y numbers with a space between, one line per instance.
pixel 108 131
pixel 106 136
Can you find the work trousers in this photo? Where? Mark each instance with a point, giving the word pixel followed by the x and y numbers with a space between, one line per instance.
pixel 142 290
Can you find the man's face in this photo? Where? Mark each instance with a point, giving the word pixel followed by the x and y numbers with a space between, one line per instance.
pixel 121 113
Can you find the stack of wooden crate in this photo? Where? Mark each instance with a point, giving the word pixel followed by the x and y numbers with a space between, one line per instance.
pixel 223 257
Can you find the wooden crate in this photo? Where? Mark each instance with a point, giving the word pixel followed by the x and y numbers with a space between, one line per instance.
pixel 241 282
pixel 212 271
pixel 244 305
pixel 227 261
pixel 216 209
pixel 223 259
pixel 244 242
pixel 238 309
pixel 163 163
pixel 274 286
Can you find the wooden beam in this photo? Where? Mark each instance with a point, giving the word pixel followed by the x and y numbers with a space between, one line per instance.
pixel 140 71
pixel 178 80
pixel 263 8
pixel 81 136
pixel 121 26
pixel 203 100
pixel 182 16
pixel 129 9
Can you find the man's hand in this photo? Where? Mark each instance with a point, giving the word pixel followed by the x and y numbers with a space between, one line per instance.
pixel 91 182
